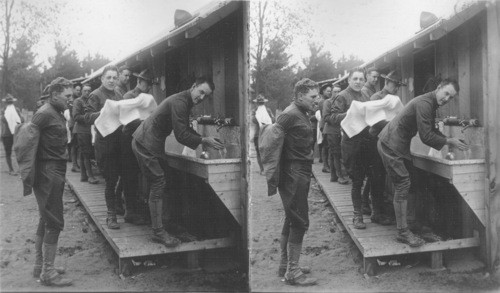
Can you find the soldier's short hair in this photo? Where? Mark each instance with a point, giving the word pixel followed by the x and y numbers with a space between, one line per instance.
pixel 304 86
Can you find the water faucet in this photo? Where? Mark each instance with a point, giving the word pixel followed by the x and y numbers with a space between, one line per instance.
pixel 469 123
pixel 221 122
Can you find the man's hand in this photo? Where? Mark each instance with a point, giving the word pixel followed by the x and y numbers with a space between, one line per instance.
pixel 457 143
pixel 212 142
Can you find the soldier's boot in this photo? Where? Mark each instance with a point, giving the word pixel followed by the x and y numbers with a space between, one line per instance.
pixel 284 258
pixel 294 275
pixel 134 217
pixel 49 275
pixel 377 215
pixel 111 221
pixel 407 237
pixel 404 234
pixel 159 234
pixel 37 269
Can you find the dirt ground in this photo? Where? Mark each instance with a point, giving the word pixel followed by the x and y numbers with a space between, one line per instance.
pixel 89 259
pixel 336 261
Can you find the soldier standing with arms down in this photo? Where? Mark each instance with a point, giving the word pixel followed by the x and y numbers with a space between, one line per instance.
pixel 107 148
pixel 50 172
pixel 295 179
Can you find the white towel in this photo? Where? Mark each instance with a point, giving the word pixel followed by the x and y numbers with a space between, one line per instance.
pixel 319 135
pixel 67 116
pixel 262 116
pixel 116 113
pixel 363 114
pixel 12 118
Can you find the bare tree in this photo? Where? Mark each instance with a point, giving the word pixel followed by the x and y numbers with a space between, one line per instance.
pixel 271 20
pixel 25 20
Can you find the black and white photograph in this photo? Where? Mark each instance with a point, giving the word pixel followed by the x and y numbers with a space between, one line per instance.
pixel 249 146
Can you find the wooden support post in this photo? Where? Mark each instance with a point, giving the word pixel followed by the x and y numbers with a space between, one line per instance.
pixel 125 266
pixel 370 266
pixel 437 260
pixel 192 260
pixel 491 108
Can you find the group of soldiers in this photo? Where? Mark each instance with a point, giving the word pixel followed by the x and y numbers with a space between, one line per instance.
pixel 130 152
pixel 377 150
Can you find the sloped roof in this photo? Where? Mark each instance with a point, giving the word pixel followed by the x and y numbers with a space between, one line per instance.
pixel 202 19
pixel 430 34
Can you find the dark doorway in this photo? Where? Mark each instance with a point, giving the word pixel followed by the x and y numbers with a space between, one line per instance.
pixel 425 71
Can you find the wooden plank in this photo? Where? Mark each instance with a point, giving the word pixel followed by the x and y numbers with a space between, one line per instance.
pixel 142 246
pixel 475 199
pixel 224 168
pixel 227 185
pixel 476 37
pixel 345 208
pixel 382 246
pixel 231 198
pixel 468 168
pixel 464 72
pixel 200 170
pixel 469 182
pixel 433 166
pixel 221 177
pixel 491 110
pixel 237 214
pixel 436 260
pixel 218 75
pixel 481 215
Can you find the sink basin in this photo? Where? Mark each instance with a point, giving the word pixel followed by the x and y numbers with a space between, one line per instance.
pixel 229 135
pixel 466 172
pixel 222 171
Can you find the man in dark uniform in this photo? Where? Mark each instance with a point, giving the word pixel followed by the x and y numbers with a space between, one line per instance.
pixel 355 151
pixel 129 175
pixel 332 132
pixel 83 135
pixel 325 93
pixel 107 148
pixel 370 86
pixel 295 178
pixel 394 147
pixel 73 144
pixel 148 145
pixel 122 85
pixel 377 179
pixel 367 91
pixel 49 182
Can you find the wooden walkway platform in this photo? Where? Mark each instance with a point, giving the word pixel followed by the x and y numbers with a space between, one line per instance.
pixel 131 240
pixel 377 240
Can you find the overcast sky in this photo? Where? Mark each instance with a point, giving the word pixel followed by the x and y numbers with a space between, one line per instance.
pixel 366 28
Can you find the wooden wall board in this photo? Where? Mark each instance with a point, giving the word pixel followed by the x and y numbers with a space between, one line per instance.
pixel 491 108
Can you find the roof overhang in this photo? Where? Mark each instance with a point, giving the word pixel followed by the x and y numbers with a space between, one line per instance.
pixel 174 37
pixel 428 35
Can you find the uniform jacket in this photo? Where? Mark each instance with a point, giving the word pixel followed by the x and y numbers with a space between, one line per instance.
pixel 25 147
pixel 171 115
pixel 418 115
pixel 96 101
pixel 271 140
pixel 78 114
pixel 367 91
